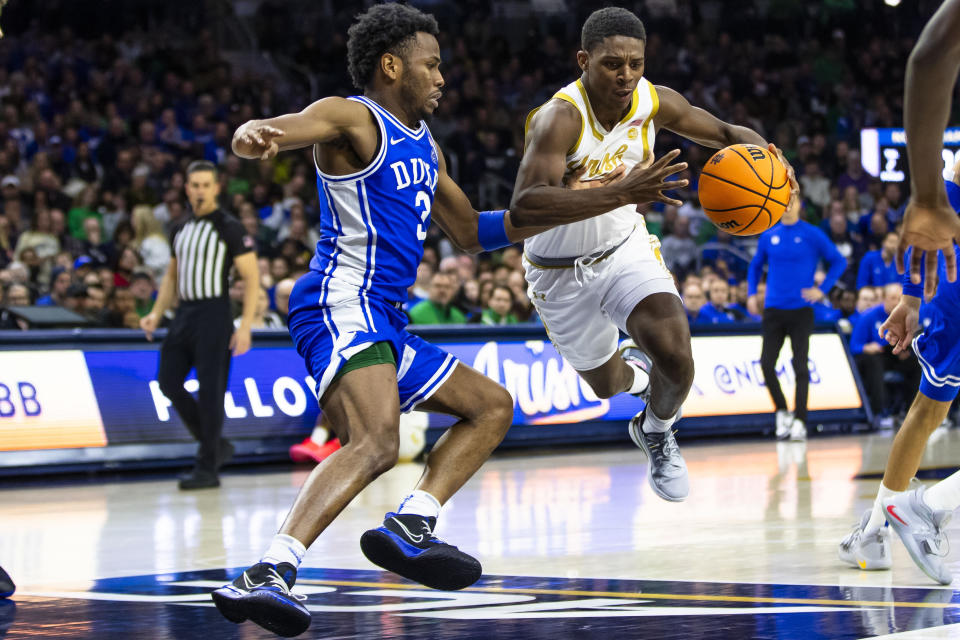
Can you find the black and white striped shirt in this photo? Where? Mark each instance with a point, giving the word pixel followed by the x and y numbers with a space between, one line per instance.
pixel 205 247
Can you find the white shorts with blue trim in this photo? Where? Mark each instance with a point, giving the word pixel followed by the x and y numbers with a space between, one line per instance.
pixel 938 350
pixel 331 321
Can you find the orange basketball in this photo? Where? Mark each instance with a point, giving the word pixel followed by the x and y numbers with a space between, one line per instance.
pixel 744 189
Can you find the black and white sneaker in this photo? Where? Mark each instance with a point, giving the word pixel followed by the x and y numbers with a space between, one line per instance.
pixel 263 594
pixel 405 545
pixel 6 584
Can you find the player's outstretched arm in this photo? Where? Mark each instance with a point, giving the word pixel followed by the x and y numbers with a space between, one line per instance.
pixel 323 121
pixel 540 198
pixel 930 225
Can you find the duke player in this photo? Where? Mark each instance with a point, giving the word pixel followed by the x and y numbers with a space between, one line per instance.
pixel 381 179
pixel 592 279
pixel 931 225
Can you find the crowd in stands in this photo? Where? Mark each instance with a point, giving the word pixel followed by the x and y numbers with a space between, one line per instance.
pixel 96 130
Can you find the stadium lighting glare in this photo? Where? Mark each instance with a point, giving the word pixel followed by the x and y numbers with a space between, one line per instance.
pixel 892 3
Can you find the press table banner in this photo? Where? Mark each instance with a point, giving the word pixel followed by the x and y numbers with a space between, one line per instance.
pixel 74 398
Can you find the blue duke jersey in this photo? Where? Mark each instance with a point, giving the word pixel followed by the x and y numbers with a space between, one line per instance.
pixel 373 223
pixel 372 228
pixel 937 348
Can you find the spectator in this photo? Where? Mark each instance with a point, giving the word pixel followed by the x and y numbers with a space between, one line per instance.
pixel 854 176
pixel 877 268
pixel 698 312
pixel 420 289
pixel 815 186
pixel 144 292
pixel 263 317
pixel 60 281
pixel 679 250
pixel 874 357
pixel 83 208
pixel 436 309
pixel 127 260
pixel 39 238
pixel 498 310
pixel 149 241
pixel 95 306
pixel 282 298
pixel 718 299
pixel 100 252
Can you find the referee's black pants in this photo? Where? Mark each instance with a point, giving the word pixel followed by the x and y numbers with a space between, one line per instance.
pixel 199 338
pixel 777 325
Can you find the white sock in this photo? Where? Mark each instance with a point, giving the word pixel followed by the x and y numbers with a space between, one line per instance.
pixel 945 495
pixel 320 435
pixel 421 503
pixel 653 424
pixel 877 518
pixel 641 379
pixel 284 548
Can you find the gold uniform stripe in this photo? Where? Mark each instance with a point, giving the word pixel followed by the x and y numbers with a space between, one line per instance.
pixel 655 106
pixel 634 103
pixel 589 110
pixel 559 95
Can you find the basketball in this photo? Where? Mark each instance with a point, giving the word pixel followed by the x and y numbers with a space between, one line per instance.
pixel 744 189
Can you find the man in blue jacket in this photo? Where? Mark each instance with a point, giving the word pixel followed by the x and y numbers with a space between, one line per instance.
pixel 879 268
pixel 791 249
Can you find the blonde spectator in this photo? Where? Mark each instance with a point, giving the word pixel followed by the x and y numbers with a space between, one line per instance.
pixel 39 238
pixel 150 242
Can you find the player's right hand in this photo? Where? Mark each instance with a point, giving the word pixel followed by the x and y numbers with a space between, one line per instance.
pixel 149 324
pixel 647 184
pixel 929 230
pixel 899 328
pixel 257 140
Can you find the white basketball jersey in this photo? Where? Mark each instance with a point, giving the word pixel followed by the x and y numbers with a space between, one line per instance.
pixel 630 142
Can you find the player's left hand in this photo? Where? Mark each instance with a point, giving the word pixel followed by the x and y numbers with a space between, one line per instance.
pixel 901 325
pixel 929 230
pixel 574 180
pixel 813 294
pixel 240 341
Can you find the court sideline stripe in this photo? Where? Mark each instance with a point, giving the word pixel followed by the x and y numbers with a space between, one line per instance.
pixel 642 594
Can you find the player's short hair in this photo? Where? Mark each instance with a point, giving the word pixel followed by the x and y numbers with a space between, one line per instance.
pixel 611 21
pixel 201 165
pixel 381 29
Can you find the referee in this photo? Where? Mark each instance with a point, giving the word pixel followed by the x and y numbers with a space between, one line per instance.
pixel 792 249
pixel 205 246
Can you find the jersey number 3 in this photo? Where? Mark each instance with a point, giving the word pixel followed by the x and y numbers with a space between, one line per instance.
pixel 423 200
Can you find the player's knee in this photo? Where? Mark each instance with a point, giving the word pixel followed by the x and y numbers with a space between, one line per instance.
pixel 379 449
pixel 677 366
pixel 500 409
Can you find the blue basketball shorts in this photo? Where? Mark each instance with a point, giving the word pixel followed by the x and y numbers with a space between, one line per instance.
pixel 938 350
pixel 330 321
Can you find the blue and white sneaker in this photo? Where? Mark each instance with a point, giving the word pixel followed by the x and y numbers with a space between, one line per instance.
pixel 405 545
pixel 263 594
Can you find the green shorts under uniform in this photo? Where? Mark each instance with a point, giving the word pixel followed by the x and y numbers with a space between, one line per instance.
pixel 377 353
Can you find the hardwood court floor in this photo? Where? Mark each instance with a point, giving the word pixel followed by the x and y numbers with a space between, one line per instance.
pixel 573 544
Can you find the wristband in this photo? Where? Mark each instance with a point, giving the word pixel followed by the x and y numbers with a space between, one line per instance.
pixel 492 230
